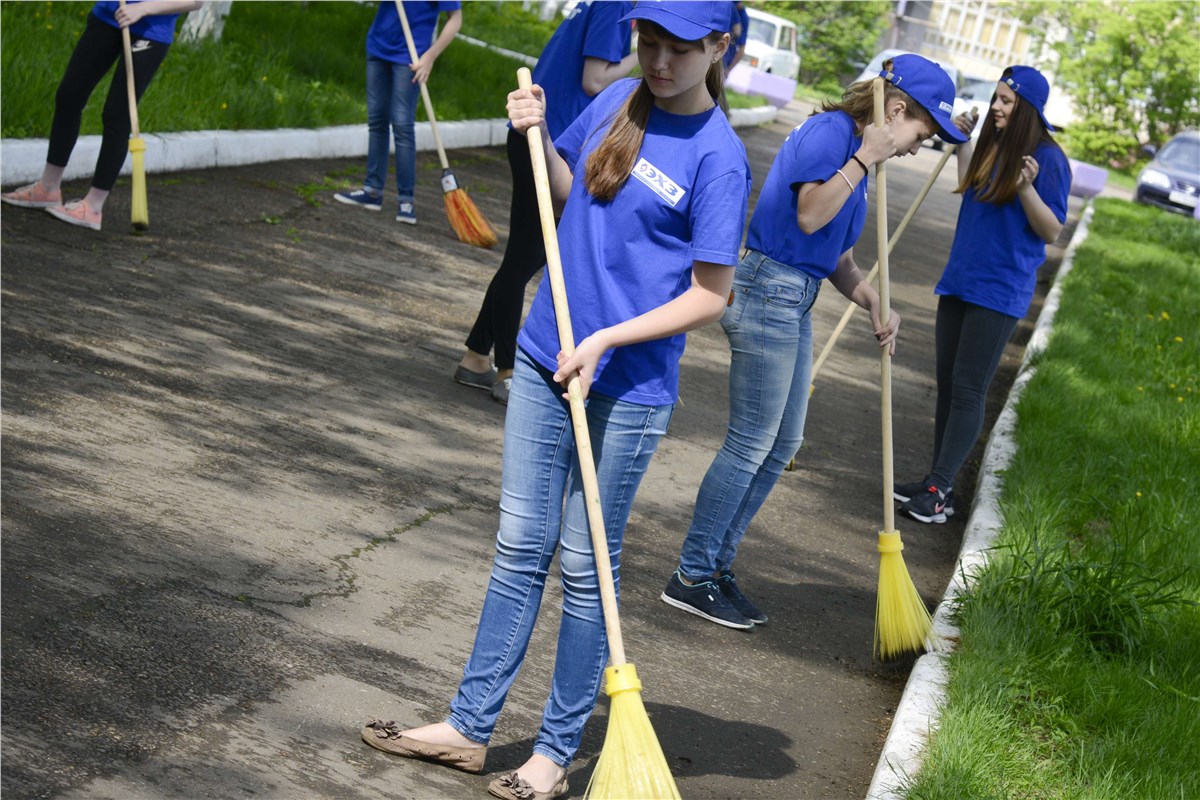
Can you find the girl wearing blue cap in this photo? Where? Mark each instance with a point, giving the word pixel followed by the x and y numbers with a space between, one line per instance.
pixel 809 215
pixel 653 185
pixel 1014 184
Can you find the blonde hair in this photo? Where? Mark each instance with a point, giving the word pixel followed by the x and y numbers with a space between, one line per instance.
pixel 610 164
pixel 858 101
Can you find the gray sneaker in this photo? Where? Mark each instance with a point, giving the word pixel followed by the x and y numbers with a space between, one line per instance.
pixel 500 390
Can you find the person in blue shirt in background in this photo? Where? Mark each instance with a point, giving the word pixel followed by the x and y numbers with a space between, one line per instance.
pixel 586 54
pixel 1014 184
pixel 653 185
pixel 393 85
pixel 738 33
pixel 151 27
pixel 809 215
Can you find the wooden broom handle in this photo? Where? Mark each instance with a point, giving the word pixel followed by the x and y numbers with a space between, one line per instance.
pixel 133 117
pixel 885 312
pixel 566 340
pixel 912 210
pixel 413 57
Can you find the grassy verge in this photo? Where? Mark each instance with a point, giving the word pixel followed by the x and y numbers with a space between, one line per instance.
pixel 1079 670
pixel 278 65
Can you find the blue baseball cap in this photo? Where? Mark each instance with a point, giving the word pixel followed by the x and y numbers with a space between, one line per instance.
pixel 928 84
pixel 1031 86
pixel 684 19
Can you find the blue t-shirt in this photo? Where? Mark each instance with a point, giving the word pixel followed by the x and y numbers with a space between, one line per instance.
pixel 684 201
pixel 996 254
pixel 738 16
pixel 812 153
pixel 156 27
pixel 592 31
pixel 385 39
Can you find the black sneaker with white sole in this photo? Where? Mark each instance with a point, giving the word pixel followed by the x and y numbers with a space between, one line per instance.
pixel 906 491
pixel 926 506
pixel 733 593
pixel 704 600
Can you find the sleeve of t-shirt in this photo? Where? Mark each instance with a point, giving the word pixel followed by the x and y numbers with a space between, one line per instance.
pixel 1053 183
pixel 571 141
pixel 819 150
pixel 607 37
pixel 718 217
pixel 447 6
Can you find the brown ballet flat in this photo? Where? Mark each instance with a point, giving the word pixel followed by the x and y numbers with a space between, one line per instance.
pixel 514 787
pixel 386 736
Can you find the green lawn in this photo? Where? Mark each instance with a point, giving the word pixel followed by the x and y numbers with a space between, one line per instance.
pixel 278 65
pixel 1078 674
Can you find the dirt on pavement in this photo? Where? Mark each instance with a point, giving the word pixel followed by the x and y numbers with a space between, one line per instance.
pixel 245 508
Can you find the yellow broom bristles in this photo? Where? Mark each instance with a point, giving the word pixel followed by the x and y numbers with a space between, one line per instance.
pixel 631 764
pixel 140 207
pixel 902 623
pixel 466 220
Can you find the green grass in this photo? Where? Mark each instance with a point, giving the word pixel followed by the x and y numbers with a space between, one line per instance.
pixel 1078 675
pixel 278 65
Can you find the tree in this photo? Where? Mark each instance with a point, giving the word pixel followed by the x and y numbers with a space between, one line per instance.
pixel 835 37
pixel 1130 68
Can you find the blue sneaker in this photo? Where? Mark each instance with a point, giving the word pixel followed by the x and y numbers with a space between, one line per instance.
pixel 704 600
pixel 927 506
pixel 906 491
pixel 407 213
pixel 733 594
pixel 361 198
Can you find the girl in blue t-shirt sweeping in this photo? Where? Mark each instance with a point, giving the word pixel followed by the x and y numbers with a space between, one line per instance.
pixel 653 185
pixel 151 27
pixel 809 215
pixel 1014 185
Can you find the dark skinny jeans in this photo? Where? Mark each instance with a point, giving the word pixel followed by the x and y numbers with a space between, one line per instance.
pixel 100 47
pixel 499 317
pixel 970 341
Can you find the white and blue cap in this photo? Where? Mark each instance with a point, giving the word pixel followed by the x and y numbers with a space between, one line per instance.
pixel 1031 86
pixel 928 84
pixel 686 20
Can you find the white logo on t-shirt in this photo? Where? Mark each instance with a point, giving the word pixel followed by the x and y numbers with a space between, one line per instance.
pixel 653 177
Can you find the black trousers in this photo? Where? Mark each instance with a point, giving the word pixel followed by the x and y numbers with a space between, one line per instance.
pixel 100 47
pixel 970 340
pixel 499 317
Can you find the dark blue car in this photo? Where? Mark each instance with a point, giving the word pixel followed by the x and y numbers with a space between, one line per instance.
pixel 1172 179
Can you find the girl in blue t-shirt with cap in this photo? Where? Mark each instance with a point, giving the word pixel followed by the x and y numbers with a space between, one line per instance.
pixel 809 215
pixel 1014 184
pixel 151 27
pixel 653 185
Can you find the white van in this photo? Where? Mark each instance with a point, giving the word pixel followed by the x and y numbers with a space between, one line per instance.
pixel 771 45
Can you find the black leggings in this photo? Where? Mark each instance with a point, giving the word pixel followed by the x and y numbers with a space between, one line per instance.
pixel 98 49
pixel 500 315
pixel 970 340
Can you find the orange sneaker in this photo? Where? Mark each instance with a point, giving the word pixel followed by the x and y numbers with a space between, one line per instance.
pixel 33 196
pixel 77 212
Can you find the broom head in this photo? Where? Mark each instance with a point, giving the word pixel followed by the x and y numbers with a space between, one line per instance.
pixel 465 218
pixel 902 623
pixel 140 208
pixel 631 764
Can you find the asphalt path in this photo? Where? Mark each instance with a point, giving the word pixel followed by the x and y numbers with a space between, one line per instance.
pixel 245 508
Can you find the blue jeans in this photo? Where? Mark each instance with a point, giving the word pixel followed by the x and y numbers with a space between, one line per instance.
pixel 391 102
pixel 541 507
pixel 770 337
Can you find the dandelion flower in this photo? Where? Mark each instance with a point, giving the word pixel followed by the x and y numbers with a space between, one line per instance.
pixel 1179 338
pixel 1139 494
pixel 224 106
pixel 1165 315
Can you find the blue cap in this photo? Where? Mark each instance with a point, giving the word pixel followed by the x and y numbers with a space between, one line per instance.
pixel 685 20
pixel 1032 87
pixel 928 84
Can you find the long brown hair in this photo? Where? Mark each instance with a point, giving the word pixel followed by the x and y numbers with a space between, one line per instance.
pixel 859 102
pixel 999 155
pixel 610 164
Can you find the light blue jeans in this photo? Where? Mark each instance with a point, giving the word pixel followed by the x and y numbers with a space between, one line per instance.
pixel 541 507
pixel 391 104
pixel 769 327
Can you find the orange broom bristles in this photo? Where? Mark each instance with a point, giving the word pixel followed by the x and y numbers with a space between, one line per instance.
pixel 466 220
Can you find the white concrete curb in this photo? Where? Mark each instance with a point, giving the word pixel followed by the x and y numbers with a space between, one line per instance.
pixel 917 714
pixel 22 160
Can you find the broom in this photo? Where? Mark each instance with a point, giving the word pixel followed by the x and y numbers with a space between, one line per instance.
pixel 466 220
pixel 631 763
pixel 902 623
pixel 139 210
pixel 849 312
